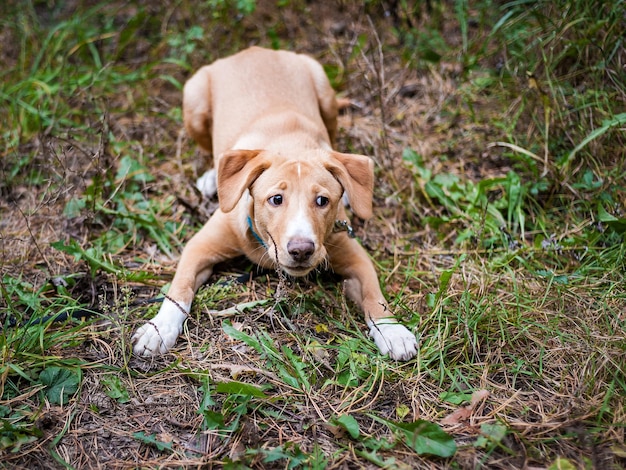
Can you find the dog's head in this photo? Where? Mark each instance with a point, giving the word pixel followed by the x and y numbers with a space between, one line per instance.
pixel 295 200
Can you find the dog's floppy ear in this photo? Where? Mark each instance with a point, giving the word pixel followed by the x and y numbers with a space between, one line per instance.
pixel 356 175
pixel 236 172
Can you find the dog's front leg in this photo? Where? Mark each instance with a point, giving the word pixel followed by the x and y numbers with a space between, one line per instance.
pixel 350 260
pixel 212 244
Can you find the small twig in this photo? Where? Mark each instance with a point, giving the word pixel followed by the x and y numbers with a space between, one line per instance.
pixel 180 307
pixel 282 279
pixel 379 71
pixel 32 235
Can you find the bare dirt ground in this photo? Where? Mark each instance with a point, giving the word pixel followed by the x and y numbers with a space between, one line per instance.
pixel 394 107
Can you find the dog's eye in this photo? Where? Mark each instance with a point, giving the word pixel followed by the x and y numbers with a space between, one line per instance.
pixel 321 201
pixel 276 200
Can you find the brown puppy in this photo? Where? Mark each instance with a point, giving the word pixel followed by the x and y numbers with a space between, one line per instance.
pixel 269 118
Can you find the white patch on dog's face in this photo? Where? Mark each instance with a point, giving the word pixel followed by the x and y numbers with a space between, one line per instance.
pixel 295 207
pixel 300 224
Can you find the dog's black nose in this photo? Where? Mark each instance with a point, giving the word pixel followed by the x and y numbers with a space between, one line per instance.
pixel 300 249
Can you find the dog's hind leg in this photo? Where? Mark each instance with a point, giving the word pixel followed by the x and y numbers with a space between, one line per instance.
pixel 198 122
pixel 197 108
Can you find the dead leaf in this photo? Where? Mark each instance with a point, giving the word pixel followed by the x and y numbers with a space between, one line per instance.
pixel 165 437
pixel 478 396
pixel 337 431
pixel 463 413
pixel 238 326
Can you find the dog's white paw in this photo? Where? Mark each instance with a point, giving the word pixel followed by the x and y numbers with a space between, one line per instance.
pixel 207 183
pixel 160 334
pixel 393 338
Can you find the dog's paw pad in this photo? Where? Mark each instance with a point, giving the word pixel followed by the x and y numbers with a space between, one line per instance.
pixel 394 339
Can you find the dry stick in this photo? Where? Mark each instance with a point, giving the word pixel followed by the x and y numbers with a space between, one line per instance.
pixel 379 72
pixel 282 279
pixel 179 150
pixel 235 369
pixel 32 236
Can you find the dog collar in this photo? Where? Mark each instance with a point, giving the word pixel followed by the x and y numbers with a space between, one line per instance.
pixel 344 226
pixel 256 235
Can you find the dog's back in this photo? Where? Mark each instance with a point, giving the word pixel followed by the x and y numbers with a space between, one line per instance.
pixel 256 90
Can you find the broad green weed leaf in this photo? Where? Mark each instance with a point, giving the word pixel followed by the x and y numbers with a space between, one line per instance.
pixel 246 7
pixel 417 161
pixel 275 454
pixel 14 437
pixel 617 224
pixel 240 388
pixel 299 368
pixel 515 197
pixel 213 420
pixel 152 439
pixel 74 207
pixel 207 395
pixel 350 424
pixel 289 451
pixel 60 383
pixel 244 306
pixel 492 435
pixel 241 336
pixel 129 168
pixel 90 255
pixel 115 389
pixel 377 459
pixel 456 398
pixel 423 437
pixel 436 192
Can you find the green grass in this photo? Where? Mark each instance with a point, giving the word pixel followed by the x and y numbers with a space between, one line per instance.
pixel 497 129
